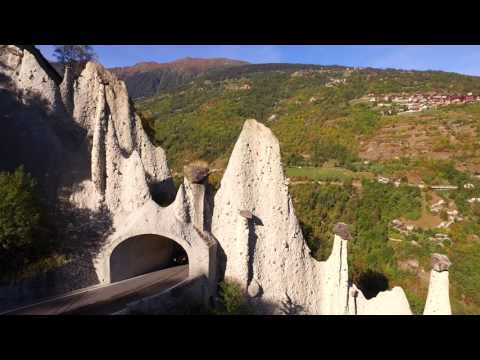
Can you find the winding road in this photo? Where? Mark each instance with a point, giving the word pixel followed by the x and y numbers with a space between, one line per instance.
pixel 106 299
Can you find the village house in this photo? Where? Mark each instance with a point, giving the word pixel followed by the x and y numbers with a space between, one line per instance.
pixel 402 227
pixel 383 180
pixel 408 103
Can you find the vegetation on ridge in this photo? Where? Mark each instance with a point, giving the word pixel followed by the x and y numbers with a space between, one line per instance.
pixel 335 144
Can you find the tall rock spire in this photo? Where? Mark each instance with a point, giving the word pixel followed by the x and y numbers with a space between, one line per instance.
pixel 438 298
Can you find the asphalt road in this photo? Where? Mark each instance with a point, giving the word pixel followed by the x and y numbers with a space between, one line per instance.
pixel 106 299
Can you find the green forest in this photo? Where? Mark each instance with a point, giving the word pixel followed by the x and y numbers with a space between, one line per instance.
pixel 27 241
pixel 323 129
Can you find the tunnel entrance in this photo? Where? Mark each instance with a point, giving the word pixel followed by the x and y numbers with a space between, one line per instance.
pixel 142 254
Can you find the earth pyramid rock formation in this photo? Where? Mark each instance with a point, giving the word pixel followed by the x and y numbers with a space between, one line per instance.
pixel 100 112
pixel 266 252
pixel 127 171
pixel 262 247
pixel 389 302
pixel 28 74
pixel 124 163
pixel 31 110
pixel 438 298
pixel 107 169
pixel 83 137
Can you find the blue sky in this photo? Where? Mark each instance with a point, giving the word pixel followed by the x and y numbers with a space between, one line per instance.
pixel 463 59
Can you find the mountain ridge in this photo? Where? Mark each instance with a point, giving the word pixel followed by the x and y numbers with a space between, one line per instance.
pixel 183 64
pixel 348 137
pixel 149 78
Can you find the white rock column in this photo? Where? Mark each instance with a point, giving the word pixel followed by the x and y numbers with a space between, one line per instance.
pixel 438 298
pixel 193 202
pixel 195 181
pixel 196 197
pixel 336 286
pixel 66 89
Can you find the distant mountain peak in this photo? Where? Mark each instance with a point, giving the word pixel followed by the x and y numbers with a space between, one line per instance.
pixel 149 77
pixel 186 64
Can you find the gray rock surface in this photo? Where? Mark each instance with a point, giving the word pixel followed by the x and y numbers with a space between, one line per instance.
pixel 440 262
pixel 83 140
pixel 196 173
pixel 269 252
pixel 341 230
pixel 103 171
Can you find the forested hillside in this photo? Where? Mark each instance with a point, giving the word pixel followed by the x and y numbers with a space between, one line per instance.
pixel 149 78
pixel 350 160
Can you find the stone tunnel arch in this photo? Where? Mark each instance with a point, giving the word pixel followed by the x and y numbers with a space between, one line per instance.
pixel 151 219
pixel 141 254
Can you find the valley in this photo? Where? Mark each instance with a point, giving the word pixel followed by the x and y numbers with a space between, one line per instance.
pixel 280 188
pixel 337 146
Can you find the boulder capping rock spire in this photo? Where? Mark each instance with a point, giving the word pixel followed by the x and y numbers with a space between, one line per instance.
pixel 440 262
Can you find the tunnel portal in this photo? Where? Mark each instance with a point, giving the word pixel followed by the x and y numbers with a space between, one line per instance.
pixel 142 254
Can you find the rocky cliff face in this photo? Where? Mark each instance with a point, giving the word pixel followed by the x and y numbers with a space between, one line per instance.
pixel 23 71
pixel 267 254
pixel 125 165
pixel 83 141
pixel 262 247
pixel 110 136
pixel 33 132
pixel 95 105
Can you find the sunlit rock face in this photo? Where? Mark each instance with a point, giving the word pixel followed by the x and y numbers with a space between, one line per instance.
pixel 92 126
pixel 389 302
pixel 23 73
pixel 33 131
pixel 82 140
pixel 124 163
pixel 262 246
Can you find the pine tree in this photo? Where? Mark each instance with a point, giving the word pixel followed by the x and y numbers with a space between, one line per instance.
pixel 68 54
